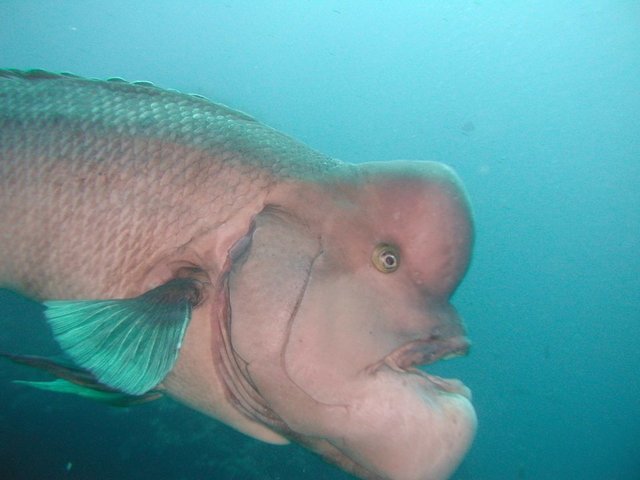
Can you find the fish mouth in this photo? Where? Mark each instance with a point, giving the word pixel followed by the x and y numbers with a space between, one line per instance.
pixel 419 353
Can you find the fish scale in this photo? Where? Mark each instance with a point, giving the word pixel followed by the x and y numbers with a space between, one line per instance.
pixel 136 165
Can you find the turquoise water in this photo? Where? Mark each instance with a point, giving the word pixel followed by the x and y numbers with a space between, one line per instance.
pixel 535 104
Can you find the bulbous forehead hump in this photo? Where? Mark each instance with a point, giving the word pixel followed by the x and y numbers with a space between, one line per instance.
pixel 423 209
pixel 399 189
pixel 411 172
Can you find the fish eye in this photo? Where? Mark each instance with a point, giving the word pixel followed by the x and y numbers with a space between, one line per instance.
pixel 386 258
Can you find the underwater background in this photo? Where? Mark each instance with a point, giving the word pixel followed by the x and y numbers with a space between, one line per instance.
pixel 537 107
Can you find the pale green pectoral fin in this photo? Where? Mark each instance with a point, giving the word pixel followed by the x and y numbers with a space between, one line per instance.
pixel 131 344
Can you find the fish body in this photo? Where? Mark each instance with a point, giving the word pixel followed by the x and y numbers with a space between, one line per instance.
pixel 137 170
pixel 182 246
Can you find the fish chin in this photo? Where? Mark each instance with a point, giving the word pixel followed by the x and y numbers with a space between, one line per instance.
pixel 378 424
pixel 384 420
pixel 407 426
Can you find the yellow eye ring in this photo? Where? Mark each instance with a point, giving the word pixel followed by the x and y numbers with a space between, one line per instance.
pixel 386 258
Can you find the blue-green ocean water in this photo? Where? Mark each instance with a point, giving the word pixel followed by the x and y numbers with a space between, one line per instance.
pixel 535 104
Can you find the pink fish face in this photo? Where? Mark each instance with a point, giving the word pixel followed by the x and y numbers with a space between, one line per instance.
pixel 345 303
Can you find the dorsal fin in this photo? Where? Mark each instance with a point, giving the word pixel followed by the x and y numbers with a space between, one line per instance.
pixel 37 74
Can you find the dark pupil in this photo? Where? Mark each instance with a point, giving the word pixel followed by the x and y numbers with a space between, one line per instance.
pixel 389 260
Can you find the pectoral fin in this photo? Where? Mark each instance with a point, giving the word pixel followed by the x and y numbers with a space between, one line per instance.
pixel 130 344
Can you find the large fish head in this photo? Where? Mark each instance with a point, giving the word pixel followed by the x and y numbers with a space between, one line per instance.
pixel 334 305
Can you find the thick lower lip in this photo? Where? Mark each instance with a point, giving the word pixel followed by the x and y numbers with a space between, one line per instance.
pixel 448 385
pixel 405 359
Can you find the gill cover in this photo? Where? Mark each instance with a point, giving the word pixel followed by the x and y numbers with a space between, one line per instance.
pixel 266 285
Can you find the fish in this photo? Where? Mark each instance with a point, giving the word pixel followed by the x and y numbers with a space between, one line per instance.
pixel 181 248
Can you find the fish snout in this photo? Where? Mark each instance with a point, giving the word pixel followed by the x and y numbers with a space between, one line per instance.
pixel 442 320
pixel 437 333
